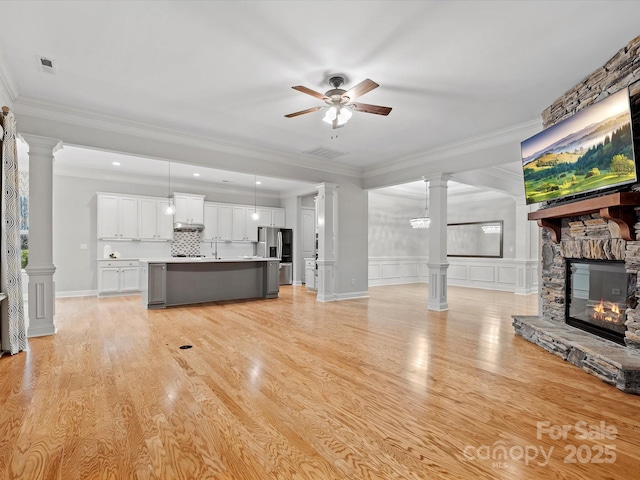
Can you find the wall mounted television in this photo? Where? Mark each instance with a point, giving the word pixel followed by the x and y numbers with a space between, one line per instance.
pixel 580 156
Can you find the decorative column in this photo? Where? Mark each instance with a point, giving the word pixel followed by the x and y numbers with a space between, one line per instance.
pixel 327 196
pixel 438 264
pixel 40 267
pixel 526 250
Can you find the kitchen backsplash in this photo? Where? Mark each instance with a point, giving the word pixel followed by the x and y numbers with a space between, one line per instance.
pixel 186 243
pixel 128 249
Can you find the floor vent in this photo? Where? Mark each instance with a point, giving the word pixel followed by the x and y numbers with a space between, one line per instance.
pixel 325 153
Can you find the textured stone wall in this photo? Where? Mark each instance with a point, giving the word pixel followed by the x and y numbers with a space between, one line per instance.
pixel 620 72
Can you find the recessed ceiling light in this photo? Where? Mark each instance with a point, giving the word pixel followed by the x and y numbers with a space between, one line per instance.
pixel 196 174
pixel 258 182
pixel 116 163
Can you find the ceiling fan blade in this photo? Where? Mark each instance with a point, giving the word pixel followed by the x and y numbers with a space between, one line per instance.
pixel 308 91
pixel 302 112
pixel 360 89
pixel 366 108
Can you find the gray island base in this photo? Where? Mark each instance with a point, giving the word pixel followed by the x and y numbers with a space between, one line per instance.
pixel 173 281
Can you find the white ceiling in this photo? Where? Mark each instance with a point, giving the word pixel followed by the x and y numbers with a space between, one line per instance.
pixel 451 71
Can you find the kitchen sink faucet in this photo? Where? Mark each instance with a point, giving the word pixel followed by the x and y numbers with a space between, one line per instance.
pixel 215 253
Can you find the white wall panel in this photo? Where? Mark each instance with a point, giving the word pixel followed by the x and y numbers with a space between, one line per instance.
pixel 482 273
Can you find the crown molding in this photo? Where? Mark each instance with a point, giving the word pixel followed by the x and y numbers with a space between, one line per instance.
pixel 515 133
pixel 235 146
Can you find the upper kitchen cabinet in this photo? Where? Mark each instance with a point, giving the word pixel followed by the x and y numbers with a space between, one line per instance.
pixel 189 208
pixel 154 223
pixel 117 217
pixel 271 217
pixel 217 222
pixel 244 227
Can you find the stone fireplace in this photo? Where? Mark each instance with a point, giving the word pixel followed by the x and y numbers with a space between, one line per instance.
pixel 601 252
pixel 589 290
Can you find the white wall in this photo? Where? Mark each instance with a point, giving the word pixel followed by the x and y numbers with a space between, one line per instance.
pixel 390 233
pixel 351 236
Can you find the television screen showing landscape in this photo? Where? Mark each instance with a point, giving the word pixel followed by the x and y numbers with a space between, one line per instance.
pixel 589 151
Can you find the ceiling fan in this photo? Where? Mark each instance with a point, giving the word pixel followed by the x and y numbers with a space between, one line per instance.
pixel 340 102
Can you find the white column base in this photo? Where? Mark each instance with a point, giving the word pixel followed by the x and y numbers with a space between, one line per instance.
pixel 41 300
pixel 438 287
pixel 325 286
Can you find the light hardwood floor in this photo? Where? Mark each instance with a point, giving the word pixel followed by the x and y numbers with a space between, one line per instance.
pixel 376 388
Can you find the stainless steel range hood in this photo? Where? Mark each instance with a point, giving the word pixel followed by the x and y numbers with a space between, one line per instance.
pixel 188 227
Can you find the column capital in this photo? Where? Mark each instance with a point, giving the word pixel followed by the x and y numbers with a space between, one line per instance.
pixel 440 179
pixel 52 144
pixel 327 187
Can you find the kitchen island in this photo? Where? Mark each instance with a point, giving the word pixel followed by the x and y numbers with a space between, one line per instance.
pixel 173 281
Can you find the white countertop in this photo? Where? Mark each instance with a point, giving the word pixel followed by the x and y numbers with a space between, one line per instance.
pixel 204 259
pixel 127 259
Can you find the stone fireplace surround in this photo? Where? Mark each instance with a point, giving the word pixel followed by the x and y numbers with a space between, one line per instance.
pixel 592 235
pixel 588 236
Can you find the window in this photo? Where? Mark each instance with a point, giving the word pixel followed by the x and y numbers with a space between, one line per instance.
pixel 23 191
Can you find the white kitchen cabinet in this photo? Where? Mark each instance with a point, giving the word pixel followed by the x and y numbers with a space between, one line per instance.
pixel 264 216
pixel 244 227
pixel 217 221
pixel 189 208
pixel 225 221
pixel 310 274
pixel 271 217
pixel 211 218
pixel 118 276
pixel 278 217
pixel 117 217
pixel 154 224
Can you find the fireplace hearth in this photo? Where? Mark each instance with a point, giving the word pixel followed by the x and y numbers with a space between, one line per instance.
pixel 598 295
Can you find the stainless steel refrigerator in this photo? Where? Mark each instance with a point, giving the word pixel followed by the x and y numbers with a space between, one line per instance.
pixel 278 243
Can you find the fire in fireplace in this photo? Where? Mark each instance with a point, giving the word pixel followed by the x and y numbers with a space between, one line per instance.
pixel 598 294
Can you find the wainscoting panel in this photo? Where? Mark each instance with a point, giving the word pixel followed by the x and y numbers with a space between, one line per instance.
pixel 491 274
pixel 482 273
pixel 395 270
pixel 507 275
pixel 457 272
pixel 374 272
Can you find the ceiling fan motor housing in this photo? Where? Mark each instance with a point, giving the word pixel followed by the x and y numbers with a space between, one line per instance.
pixel 336 96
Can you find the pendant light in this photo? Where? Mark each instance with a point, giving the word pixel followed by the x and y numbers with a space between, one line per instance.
pixel 254 215
pixel 423 221
pixel 171 208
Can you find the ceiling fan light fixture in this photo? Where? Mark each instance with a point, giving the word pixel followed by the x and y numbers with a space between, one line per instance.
pixel 330 116
pixel 344 114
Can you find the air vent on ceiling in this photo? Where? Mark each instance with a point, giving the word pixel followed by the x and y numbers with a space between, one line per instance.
pixel 45 64
pixel 325 153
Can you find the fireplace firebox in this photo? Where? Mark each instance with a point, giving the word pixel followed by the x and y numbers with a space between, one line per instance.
pixel 598 294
